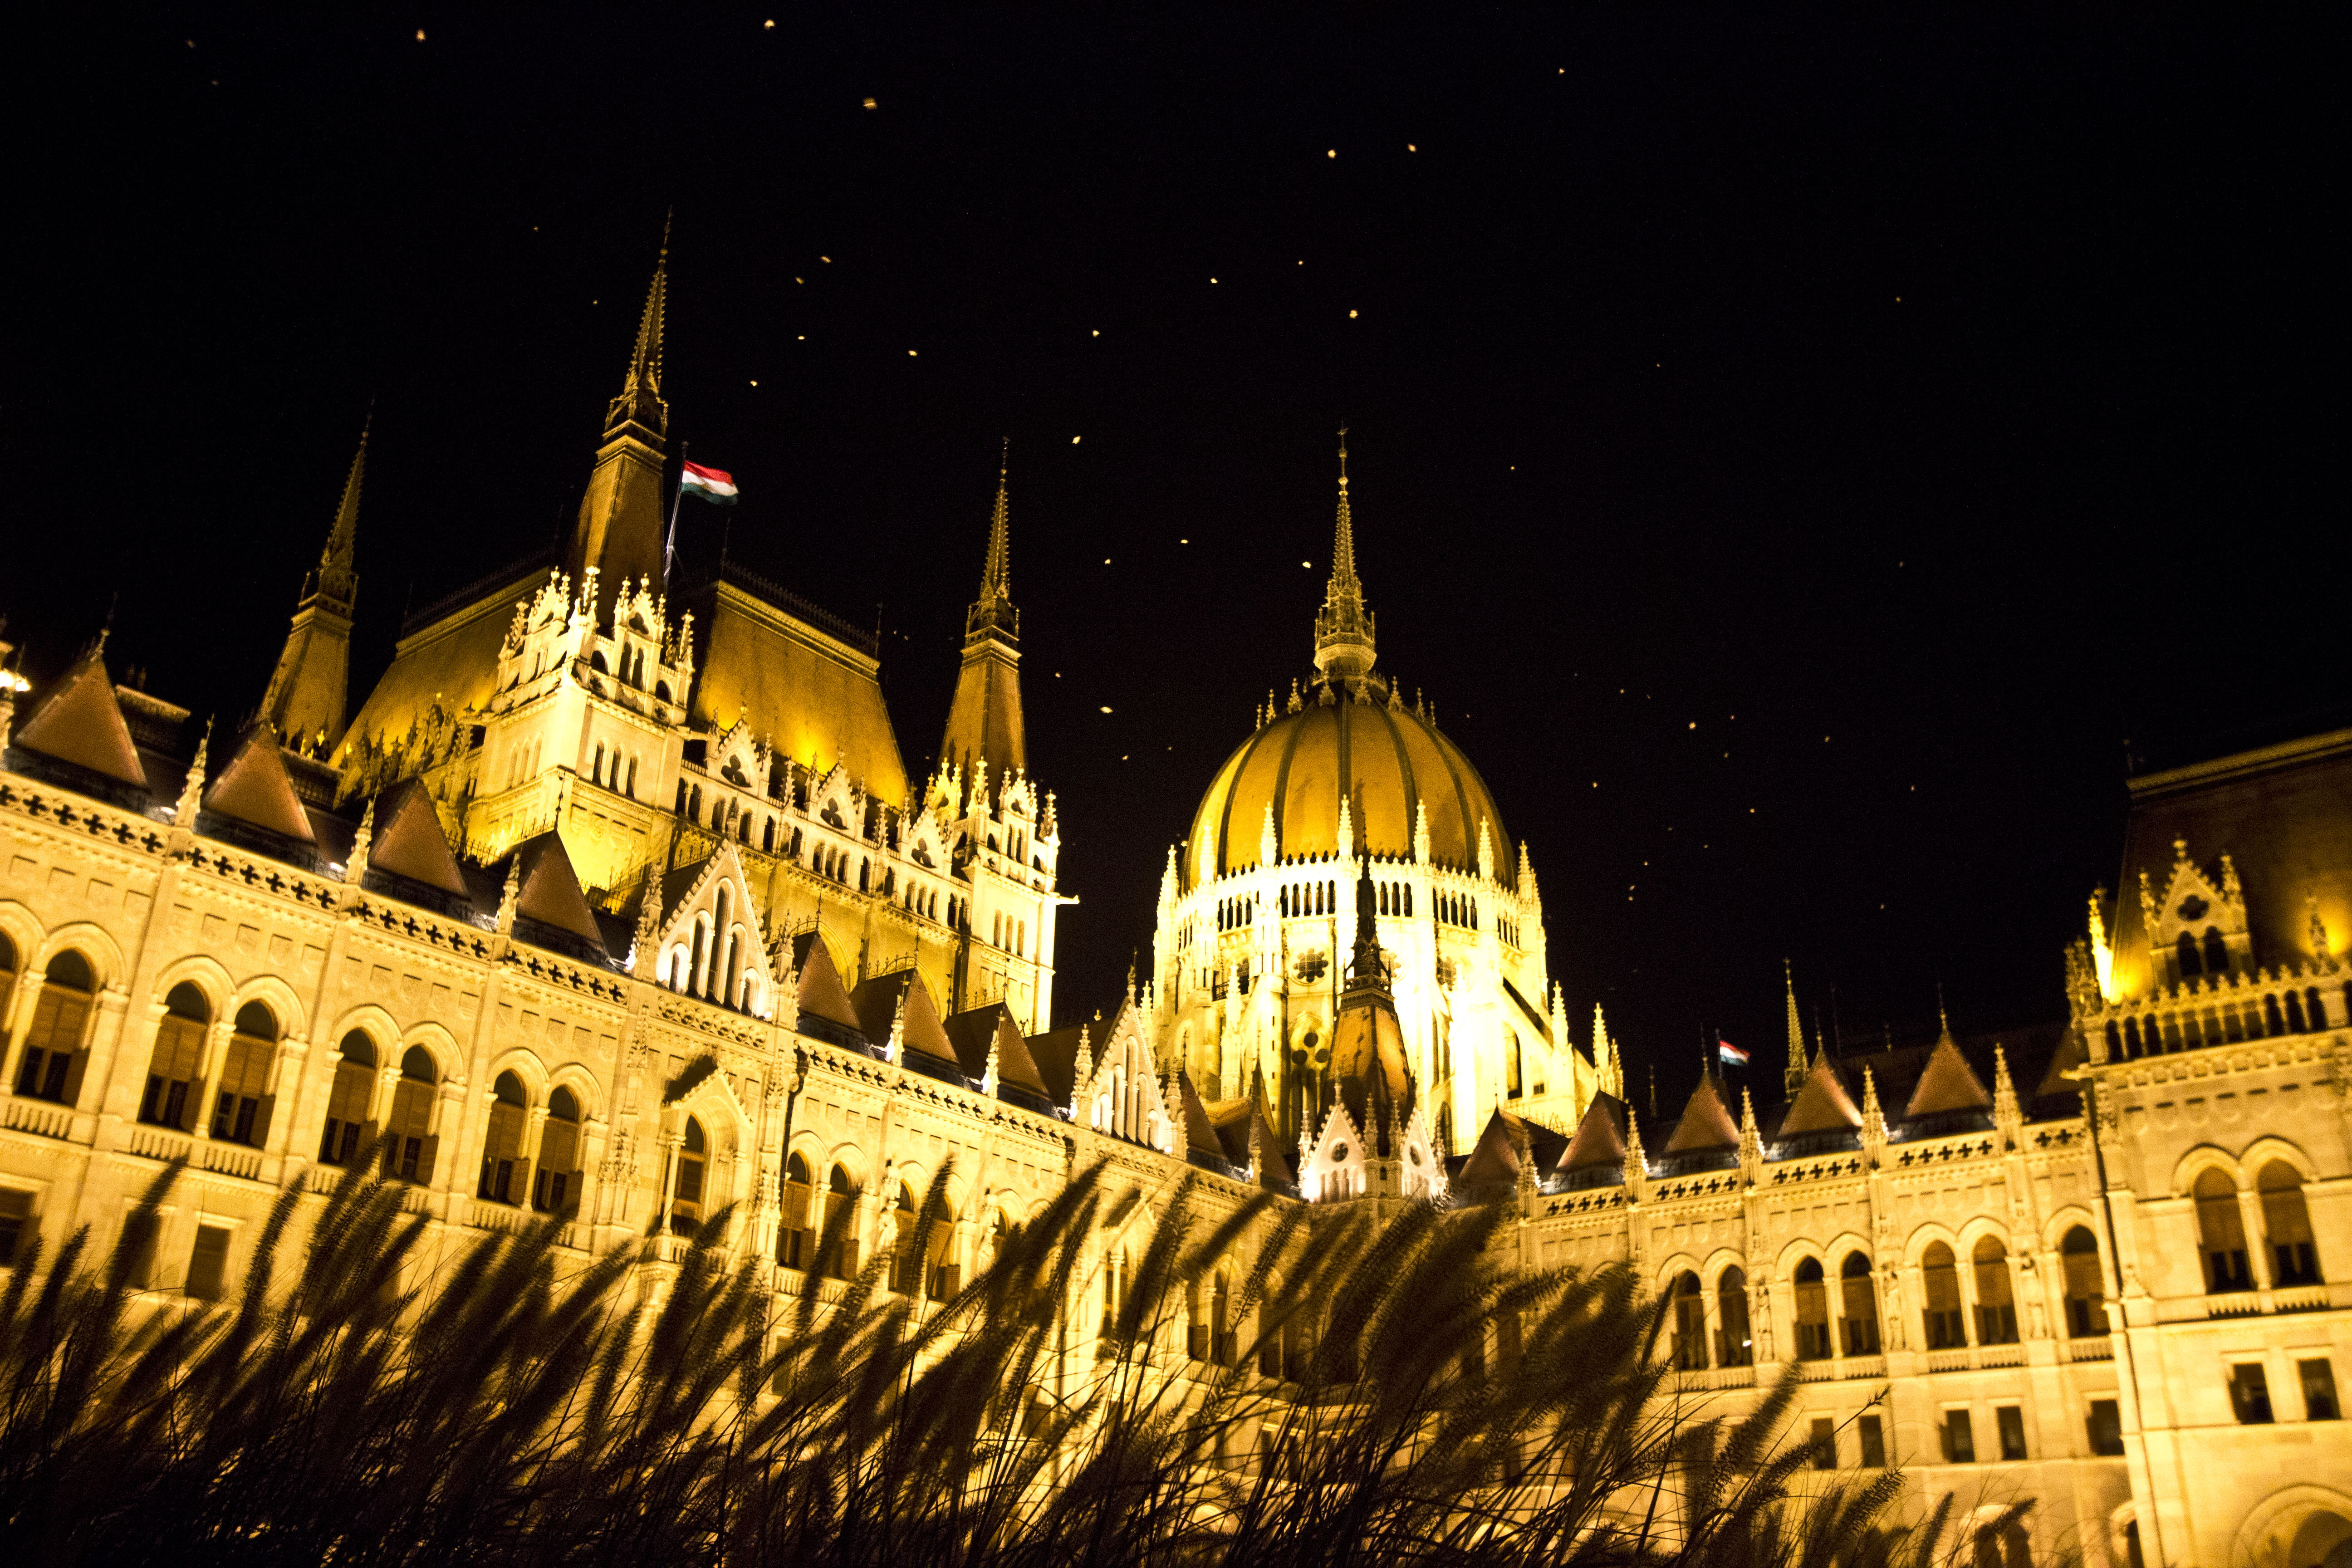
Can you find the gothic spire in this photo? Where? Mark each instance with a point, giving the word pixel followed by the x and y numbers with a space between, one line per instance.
pixel 985 717
pixel 336 578
pixel 1343 627
pixel 1793 1074
pixel 993 614
pixel 640 402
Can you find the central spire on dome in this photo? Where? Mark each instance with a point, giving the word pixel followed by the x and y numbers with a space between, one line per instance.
pixel 1343 627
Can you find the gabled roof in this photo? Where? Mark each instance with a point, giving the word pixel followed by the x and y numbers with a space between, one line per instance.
pixel 1946 1084
pixel 254 789
pixel 1495 1158
pixel 1823 1104
pixel 408 840
pixel 877 1003
pixel 1055 1051
pixel 78 721
pixel 551 892
pixel 1600 1141
pixel 1199 1132
pixel 821 989
pixel 1706 1122
pixel 970 1033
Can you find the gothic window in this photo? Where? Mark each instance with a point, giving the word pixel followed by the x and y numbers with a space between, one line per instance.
pixel 793 1239
pixel 629 786
pixel 743 828
pixel 2217 952
pixel 2087 1307
pixel 241 1108
pixel 502 1156
pixel 2315 1008
pixel 1115 1282
pixel 1511 1076
pixel 661 691
pixel 768 836
pixel 2271 1016
pixel 2185 954
pixel 174 1075
pixel 2115 1041
pixel 1946 1330
pixel 1690 1325
pixel 1408 900
pixel 2286 1225
pixel 1812 1312
pixel 347 1101
pixel 685 1195
pixel 596 768
pixel 1735 1343
pixel 1996 1304
pixel 681 798
pixel 54 1046
pixel 409 1144
pixel 7 973
pixel 557 1181
pixel 842 1200
pixel 2295 1023
pixel 2222 1235
pixel 1859 1322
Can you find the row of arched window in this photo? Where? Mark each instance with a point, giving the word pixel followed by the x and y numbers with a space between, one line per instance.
pixel 711 962
pixel 614 771
pixel 1234 913
pixel 2290 1255
pixel 1011 935
pixel 2285 1012
pixel 1456 909
pixel 917 1267
pixel 1306 899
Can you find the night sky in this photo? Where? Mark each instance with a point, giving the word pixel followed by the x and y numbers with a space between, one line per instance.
pixel 1799 459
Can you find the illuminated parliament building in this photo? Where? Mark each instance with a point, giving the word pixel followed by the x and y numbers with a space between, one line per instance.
pixel 614 899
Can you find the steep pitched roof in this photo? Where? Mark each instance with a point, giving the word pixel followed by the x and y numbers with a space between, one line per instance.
pixel 1707 1124
pixel 1199 1132
pixel 821 988
pixel 78 721
pixel 408 841
pixel 551 892
pixel 876 1002
pixel 254 789
pixel 970 1032
pixel 1946 1084
pixel 1495 1159
pixel 1822 1105
pixel 1600 1141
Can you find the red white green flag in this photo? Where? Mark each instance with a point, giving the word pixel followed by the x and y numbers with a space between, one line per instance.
pixel 716 486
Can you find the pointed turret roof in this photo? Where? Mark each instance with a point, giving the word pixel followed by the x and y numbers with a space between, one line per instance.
pixel 409 842
pixel 1343 627
pixel 985 717
pixel 548 888
pixel 640 402
pixel 1707 1124
pixel 254 788
pixel 1600 1141
pixel 1494 1159
pixel 1946 1084
pixel 1823 1103
pixel 78 721
pixel 973 1031
pixel 336 577
pixel 1200 1131
pixel 822 993
pixel 878 1003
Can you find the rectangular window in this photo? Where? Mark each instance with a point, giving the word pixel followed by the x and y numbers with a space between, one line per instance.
pixel 1824 1444
pixel 2319 1390
pixel 1960 1439
pixel 15 1222
pixel 2250 1395
pixel 2106 1427
pixel 208 1263
pixel 2010 1421
pixel 1873 1444
pixel 138 1245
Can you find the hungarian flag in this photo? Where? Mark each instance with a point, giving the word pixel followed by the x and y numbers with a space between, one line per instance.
pixel 1732 1054
pixel 716 486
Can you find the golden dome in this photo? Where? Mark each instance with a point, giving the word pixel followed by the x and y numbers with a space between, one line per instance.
pixel 1393 760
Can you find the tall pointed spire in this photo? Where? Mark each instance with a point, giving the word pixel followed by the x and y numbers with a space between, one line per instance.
pixel 619 531
pixel 310 689
pixel 1793 1074
pixel 1343 627
pixel 984 716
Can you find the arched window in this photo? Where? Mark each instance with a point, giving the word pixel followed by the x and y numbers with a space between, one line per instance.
pixel 2286 1225
pixel 2086 1305
pixel 686 1194
pixel 793 1236
pixel 768 836
pixel 1812 1312
pixel 906 1263
pixel 2271 1016
pixel 596 662
pixel 2184 950
pixel 173 1074
pixel 630 788
pixel 1946 1327
pixel 596 768
pixel 728 979
pixel 1113 1297
pixel 1221 1314
pixel 1735 1342
pixel 2217 952
pixel 1859 1320
pixel 943 1274
pixel 348 1101
pixel 2115 1041
pixel 2222 1235
pixel 2315 1008
pixel 2294 1024
pixel 2003 1545
pixel 7 973
pixel 409 1143
pixel 54 1049
pixel 241 1108
pixel 502 1147
pixel 841 1197
pixel 1690 1324
pixel 557 1181
pixel 2132 1047
pixel 1996 1303
pixel 661 690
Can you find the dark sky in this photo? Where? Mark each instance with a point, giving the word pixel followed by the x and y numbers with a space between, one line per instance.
pixel 1794 453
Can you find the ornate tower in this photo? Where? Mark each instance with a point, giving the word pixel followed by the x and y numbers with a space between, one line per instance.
pixel 984 719
pixel 1343 627
pixel 308 691
pixel 620 528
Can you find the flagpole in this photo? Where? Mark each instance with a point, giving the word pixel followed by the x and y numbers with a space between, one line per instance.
pixel 669 545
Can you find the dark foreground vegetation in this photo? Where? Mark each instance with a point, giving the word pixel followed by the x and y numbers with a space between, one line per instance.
pixel 519 1411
